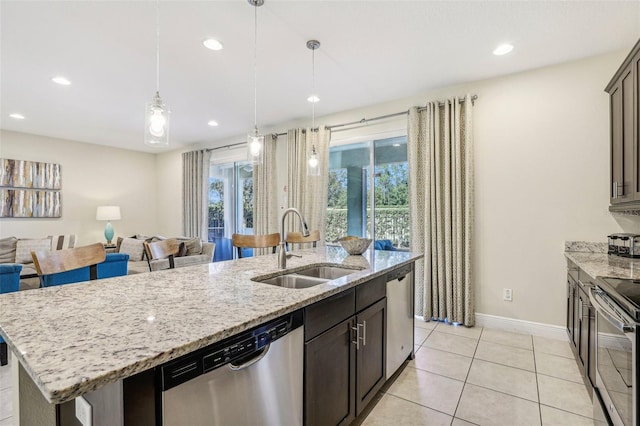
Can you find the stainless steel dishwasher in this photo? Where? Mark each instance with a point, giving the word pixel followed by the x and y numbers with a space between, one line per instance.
pixel 254 378
pixel 400 305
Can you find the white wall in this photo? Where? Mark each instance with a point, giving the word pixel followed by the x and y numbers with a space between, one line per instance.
pixel 92 175
pixel 542 172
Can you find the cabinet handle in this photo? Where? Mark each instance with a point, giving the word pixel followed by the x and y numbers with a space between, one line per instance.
pixel 364 333
pixel 615 190
pixel 357 341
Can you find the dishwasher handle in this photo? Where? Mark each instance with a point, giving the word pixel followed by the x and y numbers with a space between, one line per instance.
pixel 260 354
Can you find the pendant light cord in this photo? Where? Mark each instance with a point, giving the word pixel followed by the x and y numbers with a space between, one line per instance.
pixel 158 46
pixel 255 61
pixel 313 88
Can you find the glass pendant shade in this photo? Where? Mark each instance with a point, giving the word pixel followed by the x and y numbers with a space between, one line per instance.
pixel 255 148
pixel 156 124
pixel 313 162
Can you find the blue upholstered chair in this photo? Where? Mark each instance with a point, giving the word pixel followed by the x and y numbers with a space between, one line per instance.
pixel 78 264
pixel 9 281
pixel 114 265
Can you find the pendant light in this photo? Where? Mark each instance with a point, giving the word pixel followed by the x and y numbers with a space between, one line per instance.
pixel 156 126
pixel 313 163
pixel 255 141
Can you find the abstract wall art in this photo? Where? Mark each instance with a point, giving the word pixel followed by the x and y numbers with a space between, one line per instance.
pixel 29 189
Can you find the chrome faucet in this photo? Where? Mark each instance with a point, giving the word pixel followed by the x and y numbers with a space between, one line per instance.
pixel 282 253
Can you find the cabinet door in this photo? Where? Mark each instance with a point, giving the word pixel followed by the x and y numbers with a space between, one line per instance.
pixel 623 177
pixel 570 288
pixel 635 66
pixel 370 357
pixel 591 367
pixel 330 377
pixel 583 351
pixel 576 316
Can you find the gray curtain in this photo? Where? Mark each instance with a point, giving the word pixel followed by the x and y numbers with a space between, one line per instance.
pixel 265 209
pixel 195 193
pixel 308 194
pixel 440 153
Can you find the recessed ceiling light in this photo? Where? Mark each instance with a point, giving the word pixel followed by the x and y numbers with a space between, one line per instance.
pixel 17 116
pixel 213 44
pixel 396 144
pixel 60 80
pixel 212 123
pixel 503 49
pixel 313 99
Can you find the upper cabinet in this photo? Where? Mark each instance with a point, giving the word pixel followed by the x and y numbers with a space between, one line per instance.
pixel 624 111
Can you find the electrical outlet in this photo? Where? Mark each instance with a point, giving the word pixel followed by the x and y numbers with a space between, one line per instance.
pixel 507 294
pixel 84 411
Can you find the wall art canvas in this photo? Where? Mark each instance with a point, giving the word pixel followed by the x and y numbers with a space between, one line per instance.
pixel 29 203
pixel 29 189
pixel 29 174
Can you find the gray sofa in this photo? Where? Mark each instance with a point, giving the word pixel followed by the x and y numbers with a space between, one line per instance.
pixel 18 250
pixel 197 252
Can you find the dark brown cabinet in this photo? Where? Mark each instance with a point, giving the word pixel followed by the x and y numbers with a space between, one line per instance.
pixel 581 322
pixel 624 110
pixel 330 361
pixel 370 355
pixel 344 362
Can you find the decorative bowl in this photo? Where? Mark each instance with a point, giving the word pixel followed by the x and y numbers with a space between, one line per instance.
pixel 354 245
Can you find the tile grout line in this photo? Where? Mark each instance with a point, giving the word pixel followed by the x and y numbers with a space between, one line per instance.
pixel 467 376
pixel 535 368
pixel 419 405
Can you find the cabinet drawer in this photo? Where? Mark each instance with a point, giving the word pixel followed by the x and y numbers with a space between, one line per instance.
pixel 325 314
pixel 584 279
pixel 573 270
pixel 370 292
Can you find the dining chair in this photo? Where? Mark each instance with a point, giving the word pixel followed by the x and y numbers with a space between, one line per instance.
pixel 241 241
pixel 298 238
pixel 78 264
pixel 9 282
pixel 163 249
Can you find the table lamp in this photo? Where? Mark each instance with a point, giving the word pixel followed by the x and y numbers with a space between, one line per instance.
pixel 108 213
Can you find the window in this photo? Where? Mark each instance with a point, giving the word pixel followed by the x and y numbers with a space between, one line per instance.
pixel 351 210
pixel 230 205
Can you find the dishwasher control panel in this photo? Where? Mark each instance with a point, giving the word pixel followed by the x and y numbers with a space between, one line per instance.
pixel 229 350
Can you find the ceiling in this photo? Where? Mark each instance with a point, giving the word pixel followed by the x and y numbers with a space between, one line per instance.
pixel 371 52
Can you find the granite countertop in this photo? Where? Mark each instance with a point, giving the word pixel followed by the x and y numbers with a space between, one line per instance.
pixel 75 338
pixel 604 265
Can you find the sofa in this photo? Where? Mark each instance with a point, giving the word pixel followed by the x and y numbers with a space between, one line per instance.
pixel 18 250
pixel 195 251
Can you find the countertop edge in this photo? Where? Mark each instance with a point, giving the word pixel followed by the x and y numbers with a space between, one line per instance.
pixel 57 396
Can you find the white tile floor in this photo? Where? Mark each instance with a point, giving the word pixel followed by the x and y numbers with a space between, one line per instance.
pixel 474 376
pixel 467 376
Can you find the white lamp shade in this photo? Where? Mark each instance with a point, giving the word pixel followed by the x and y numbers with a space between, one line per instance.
pixel 108 213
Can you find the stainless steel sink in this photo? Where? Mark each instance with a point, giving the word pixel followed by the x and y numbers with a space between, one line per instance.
pixel 307 277
pixel 327 272
pixel 294 281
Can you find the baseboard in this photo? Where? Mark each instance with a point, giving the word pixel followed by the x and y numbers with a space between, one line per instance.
pixel 550 331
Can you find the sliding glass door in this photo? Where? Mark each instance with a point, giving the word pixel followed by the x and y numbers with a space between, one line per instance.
pixel 230 205
pixel 368 192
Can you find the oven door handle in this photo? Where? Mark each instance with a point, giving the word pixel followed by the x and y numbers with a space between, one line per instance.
pixel 617 319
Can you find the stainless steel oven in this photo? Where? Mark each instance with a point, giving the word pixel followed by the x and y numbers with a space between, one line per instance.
pixel 617 321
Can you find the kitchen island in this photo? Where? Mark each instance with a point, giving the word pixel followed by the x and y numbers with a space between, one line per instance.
pixel 74 339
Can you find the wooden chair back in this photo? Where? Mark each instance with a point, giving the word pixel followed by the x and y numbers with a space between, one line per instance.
pixel 165 249
pixel 255 241
pixel 297 238
pixel 49 262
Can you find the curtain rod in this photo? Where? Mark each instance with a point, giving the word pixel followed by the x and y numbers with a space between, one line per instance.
pixel 395 114
pixel 233 145
pixel 335 126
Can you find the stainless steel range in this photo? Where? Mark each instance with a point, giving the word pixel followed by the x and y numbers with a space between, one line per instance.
pixel 617 304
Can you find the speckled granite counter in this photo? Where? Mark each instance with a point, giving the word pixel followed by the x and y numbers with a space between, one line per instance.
pixel 603 265
pixel 76 338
